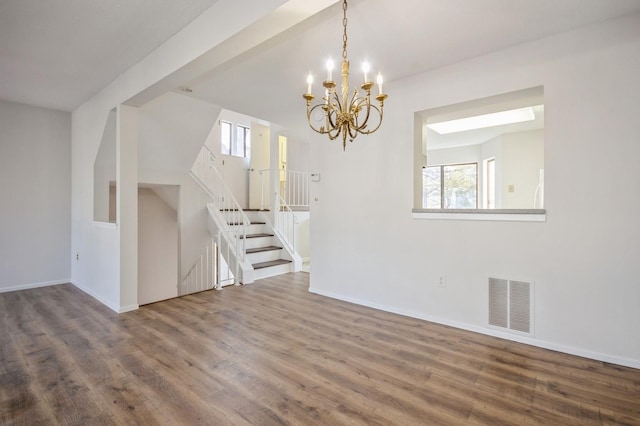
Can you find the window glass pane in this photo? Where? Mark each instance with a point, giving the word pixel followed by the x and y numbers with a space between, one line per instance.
pixel 238 148
pixel 460 189
pixel 225 136
pixel 432 192
pixel 247 142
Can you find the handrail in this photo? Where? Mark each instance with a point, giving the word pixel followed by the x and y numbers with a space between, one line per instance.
pixel 226 191
pixel 234 219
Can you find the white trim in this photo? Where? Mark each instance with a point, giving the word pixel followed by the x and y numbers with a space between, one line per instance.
pixel 119 310
pixel 627 362
pixel 95 296
pixel 129 308
pixel 105 225
pixel 33 285
pixel 505 217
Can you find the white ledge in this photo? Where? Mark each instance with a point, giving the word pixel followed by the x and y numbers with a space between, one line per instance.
pixel 506 215
pixel 106 225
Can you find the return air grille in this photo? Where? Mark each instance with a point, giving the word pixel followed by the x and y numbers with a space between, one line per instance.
pixel 510 305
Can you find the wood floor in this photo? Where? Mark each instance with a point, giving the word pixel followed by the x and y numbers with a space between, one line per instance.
pixel 271 353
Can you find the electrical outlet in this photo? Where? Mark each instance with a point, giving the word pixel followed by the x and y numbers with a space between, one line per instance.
pixel 442 281
pixel 77 257
pixel 512 188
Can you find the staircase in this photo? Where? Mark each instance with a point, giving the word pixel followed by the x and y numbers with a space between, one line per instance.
pixel 264 250
pixel 252 242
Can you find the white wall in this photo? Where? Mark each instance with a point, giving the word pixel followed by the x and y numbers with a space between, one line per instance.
pixel 35 195
pixel 298 155
pixel 173 128
pixel 367 248
pixel 461 154
pixel 302 235
pixel 522 159
pixel 157 248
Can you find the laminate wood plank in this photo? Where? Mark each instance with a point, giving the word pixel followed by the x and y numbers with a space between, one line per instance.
pixel 272 353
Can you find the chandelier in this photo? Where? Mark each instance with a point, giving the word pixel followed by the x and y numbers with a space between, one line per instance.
pixel 341 115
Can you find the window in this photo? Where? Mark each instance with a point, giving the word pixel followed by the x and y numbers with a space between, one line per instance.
pixel 238 146
pixel 225 136
pixel 504 137
pixel 450 186
pixel 242 147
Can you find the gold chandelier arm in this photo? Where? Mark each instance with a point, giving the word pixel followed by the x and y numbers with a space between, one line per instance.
pixel 356 108
pixel 329 128
pixel 310 111
pixel 380 115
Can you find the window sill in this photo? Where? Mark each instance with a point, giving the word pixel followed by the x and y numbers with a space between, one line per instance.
pixel 505 215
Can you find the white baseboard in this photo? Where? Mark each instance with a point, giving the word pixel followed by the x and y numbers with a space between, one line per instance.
pixel 34 285
pixel 129 308
pixel 627 362
pixel 105 302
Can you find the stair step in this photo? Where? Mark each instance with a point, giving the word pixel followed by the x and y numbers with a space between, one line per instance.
pixel 261 249
pixel 257 235
pixel 270 263
pixel 245 210
pixel 252 223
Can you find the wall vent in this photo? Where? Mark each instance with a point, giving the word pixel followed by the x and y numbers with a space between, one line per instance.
pixel 511 305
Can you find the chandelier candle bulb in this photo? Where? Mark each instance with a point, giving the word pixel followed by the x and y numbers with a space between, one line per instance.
pixel 365 69
pixel 309 83
pixel 379 81
pixel 330 70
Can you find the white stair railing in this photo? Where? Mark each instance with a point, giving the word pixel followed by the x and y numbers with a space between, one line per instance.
pixel 210 271
pixel 285 222
pixel 265 178
pixel 231 219
pixel 294 187
pixel 203 275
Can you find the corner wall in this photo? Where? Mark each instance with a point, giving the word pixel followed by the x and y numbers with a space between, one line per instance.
pixel 35 196
pixel 367 248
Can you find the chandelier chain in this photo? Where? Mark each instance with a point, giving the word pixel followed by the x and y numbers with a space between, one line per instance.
pixel 344 35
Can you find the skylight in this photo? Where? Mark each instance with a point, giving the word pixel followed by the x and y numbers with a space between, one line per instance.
pixel 486 120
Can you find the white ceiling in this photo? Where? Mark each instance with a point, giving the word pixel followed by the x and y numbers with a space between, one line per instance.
pixel 399 38
pixel 57 53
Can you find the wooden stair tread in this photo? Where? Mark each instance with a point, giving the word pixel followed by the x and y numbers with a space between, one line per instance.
pixel 261 249
pixel 256 235
pixel 251 223
pixel 270 263
pixel 245 210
